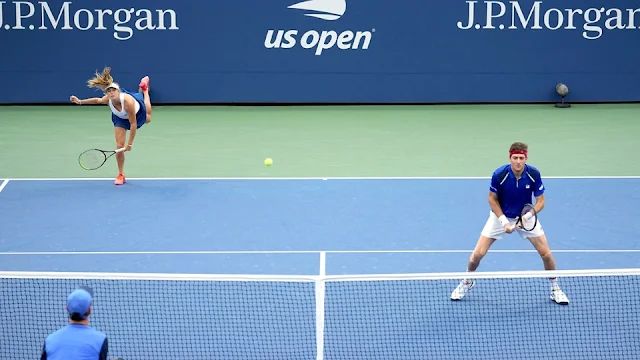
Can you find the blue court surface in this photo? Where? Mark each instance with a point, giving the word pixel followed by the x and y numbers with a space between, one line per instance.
pixel 336 227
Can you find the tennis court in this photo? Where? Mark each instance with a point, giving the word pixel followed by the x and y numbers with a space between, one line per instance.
pixel 227 267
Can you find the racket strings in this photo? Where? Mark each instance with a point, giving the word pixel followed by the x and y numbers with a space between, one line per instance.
pixel 92 159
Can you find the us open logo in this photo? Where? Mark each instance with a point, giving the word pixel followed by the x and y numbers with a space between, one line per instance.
pixel 327 10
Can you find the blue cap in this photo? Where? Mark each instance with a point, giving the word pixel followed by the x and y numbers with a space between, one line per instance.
pixel 79 301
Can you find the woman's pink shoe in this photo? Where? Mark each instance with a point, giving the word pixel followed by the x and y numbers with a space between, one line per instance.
pixel 144 83
pixel 120 179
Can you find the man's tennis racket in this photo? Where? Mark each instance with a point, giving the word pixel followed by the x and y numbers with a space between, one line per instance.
pixel 528 218
pixel 94 158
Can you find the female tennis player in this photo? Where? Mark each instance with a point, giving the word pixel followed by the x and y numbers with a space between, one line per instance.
pixel 129 111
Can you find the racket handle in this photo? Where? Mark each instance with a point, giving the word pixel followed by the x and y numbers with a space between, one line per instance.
pixel 121 149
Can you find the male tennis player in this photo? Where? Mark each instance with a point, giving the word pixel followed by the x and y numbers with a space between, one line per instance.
pixel 512 186
pixel 77 340
pixel 129 111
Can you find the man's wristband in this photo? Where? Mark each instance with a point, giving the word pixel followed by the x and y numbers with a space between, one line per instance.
pixel 503 220
pixel 528 215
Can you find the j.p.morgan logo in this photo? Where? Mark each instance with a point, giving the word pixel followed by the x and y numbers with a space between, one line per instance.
pixel 512 15
pixel 63 16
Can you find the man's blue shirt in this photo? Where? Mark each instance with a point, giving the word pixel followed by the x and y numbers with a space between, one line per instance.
pixel 514 193
pixel 75 341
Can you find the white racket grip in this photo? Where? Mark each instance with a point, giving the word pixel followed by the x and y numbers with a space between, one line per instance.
pixel 526 217
pixel 121 150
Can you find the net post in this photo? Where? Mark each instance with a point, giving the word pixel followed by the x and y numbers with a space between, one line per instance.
pixel 320 286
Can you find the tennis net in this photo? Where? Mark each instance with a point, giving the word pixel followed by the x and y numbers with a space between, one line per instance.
pixel 507 315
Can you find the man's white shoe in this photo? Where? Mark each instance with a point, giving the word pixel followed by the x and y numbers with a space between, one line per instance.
pixel 559 297
pixel 462 289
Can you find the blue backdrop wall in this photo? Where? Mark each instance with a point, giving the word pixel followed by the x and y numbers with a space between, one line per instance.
pixel 324 50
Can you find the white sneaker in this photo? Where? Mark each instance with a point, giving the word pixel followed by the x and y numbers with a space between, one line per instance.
pixel 462 289
pixel 559 297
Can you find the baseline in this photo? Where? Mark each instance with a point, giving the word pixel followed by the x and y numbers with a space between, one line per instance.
pixel 320 178
pixel 258 252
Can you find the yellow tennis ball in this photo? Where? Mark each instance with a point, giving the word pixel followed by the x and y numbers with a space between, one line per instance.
pixel 268 161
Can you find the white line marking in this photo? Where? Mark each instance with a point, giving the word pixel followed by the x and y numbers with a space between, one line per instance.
pixel 318 279
pixel 323 263
pixel 317 178
pixel 293 252
pixel 4 184
pixel 320 294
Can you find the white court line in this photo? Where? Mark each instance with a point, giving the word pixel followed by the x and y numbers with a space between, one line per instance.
pixel 323 263
pixel 4 184
pixel 320 308
pixel 291 252
pixel 318 178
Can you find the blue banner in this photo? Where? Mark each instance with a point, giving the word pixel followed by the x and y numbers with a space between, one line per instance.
pixel 324 51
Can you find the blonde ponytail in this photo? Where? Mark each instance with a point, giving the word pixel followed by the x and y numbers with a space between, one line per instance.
pixel 101 80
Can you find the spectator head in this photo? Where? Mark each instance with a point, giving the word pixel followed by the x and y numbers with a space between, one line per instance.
pixel 79 304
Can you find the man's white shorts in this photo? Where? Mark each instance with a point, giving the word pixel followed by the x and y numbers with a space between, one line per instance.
pixel 493 228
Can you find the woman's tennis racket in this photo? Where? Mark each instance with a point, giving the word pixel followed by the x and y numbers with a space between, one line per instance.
pixel 94 158
pixel 528 218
